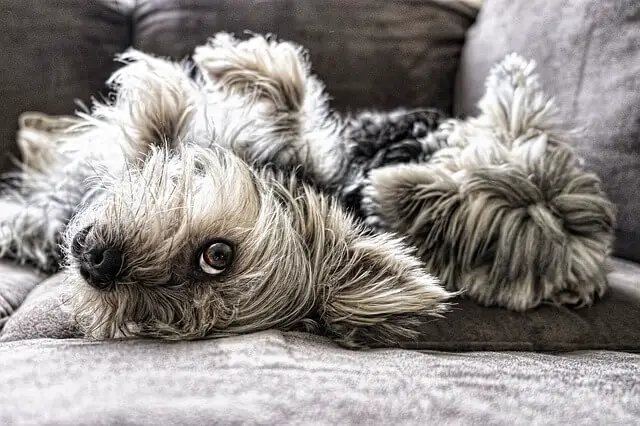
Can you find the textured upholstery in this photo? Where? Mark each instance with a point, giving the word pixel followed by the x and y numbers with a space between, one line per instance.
pixel 588 54
pixel 274 378
pixel 15 284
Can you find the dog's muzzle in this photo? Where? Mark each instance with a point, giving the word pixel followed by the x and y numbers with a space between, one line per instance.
pixel 99 266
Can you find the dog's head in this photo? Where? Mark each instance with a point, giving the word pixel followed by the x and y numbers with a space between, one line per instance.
pixel 192 243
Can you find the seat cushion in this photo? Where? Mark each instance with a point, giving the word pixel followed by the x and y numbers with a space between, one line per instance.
pixel 274 378
pixel 611 323
pixel 588 54
pixel 15 284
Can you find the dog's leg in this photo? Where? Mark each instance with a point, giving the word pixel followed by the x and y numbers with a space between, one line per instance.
pixel 36 207
pixel 270 70
pixel 560 207
pixel 514 107
pixel 510 218
pixel 38 201
pixel 288 124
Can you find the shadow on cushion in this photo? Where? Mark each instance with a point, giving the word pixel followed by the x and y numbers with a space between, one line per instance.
pixel 612 323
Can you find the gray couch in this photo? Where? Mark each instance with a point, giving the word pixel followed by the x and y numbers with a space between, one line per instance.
pixel 371 53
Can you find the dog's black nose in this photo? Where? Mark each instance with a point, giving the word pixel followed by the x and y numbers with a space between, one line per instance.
pixel 100 266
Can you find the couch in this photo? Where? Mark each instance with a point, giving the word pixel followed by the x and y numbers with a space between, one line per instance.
pixel 552 365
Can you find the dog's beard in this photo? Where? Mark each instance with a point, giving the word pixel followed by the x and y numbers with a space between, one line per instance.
pixel 164 312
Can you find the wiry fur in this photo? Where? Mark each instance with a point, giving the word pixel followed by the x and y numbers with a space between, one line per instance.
pixel 167 164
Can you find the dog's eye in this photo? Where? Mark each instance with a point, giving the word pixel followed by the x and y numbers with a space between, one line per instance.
pixel 216 257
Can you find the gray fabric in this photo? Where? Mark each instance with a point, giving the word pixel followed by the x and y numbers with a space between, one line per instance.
pixel 15 284
pixel 612 323
pixel 54 52
pixel 275 378
pixel 42 314
pixel 588 54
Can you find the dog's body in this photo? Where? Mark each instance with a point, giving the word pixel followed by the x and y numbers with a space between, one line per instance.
pixel 247 168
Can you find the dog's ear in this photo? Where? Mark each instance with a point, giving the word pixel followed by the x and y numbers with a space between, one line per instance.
pixel 380 294
pixel 371 288
pixel 264 68
pixel 153 100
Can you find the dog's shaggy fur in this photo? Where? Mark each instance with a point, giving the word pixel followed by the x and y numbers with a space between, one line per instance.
pixel 250 153
pixel 170 165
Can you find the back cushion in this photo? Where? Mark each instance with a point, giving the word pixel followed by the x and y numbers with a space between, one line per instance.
pixel 588 54
pixel 370 53
pixel 54 52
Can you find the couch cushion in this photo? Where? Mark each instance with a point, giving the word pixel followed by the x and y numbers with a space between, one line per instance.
pixel 370 53
pixel 588 54
pixel 611 323
pixel 15 284
pixel 274 378
pixel 54 53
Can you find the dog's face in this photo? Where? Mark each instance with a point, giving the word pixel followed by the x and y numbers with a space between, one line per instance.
pixel 190 244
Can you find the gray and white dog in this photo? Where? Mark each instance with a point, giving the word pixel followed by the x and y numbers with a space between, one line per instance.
pixel 190 208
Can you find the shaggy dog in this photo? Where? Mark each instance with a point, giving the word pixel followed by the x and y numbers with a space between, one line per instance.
pixel 227 204
pixel 175 224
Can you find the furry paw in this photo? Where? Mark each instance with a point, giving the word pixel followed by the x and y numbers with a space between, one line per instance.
pixel 512 72
pixel 514 104
pixel 512 233
pixel 276 71
pixel 40 136
pixel 28 237
pixel 285 112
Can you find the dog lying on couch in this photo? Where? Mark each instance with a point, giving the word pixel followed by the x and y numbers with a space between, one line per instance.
pixel 238 201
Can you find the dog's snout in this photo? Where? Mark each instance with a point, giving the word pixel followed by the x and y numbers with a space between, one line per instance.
pixel 100 266
pixel 77 245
